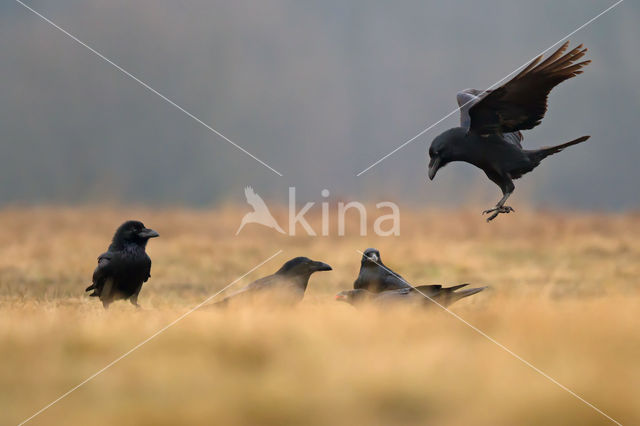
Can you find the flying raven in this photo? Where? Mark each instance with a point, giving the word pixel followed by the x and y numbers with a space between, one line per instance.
pixel 285 287
pixel 375 276
pixel 125 266
pixel 491 121
pixel 423 295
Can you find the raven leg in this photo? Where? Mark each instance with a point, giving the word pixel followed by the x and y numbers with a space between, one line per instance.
pixel 499 208
pixel 105 295
pixel 507 186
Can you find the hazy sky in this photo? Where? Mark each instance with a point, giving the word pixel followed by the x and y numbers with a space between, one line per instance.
pixel 319 90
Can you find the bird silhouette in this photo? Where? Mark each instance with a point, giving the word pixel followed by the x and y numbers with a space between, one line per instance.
pixel 260 213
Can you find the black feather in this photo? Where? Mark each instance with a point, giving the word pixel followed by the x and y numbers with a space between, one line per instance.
pixel 125 266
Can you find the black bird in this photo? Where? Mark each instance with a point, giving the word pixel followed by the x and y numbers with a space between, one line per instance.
pixel 421 295
pixel 490 137
pixel 375 276
pixel 125 266
pixel 285 287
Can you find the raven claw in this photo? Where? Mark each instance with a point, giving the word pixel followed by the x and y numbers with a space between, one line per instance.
pixel 496 211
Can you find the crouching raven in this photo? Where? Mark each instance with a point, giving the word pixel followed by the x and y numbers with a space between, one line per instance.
pixel 421 295
pixel 285 287
pixel 375 276
pixel 378 283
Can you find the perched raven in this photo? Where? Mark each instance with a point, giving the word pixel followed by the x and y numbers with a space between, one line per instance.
pixel 375 276
pixel 423 295
pixel 285 287
pixel 491 121
pixel 124 266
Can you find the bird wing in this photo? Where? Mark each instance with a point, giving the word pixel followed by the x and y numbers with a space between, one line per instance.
pixel 398 292
pixel 514 138
pixel 273 289
pixel 393 281
pixel 257 285
pixel 104 261
pixel 255 200
pixel 263 283
pixel 466 99
pixel 393 295
pixel 429 290
pixel 147 274
pixel 101 272
pixel 379 278
pixel 521 103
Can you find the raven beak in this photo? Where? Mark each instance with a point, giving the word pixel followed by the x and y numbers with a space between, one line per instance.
pixel 374 257
pixel 434 165
pixel 148 233
pixel 341 296
pixel 321 266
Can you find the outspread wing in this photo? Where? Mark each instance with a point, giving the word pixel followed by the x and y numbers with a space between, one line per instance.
pixel 521 103
pixel 466 99
pixel 255 200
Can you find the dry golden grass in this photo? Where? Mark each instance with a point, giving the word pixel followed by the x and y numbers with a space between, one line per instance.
pixel 564 295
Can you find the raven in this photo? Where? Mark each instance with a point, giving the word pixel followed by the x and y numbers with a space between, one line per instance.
pixel 423 295
pixel 491 121
pixel 124 266
pixel 375 276
pixel 285 287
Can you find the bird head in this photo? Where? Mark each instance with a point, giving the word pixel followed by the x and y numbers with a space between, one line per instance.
pixel 301 266
pixel 442 150
pixel 134 232
pixel 371 256
pixel 353 296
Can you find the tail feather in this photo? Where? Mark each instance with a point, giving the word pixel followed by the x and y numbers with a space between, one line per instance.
pixel 547 151
pixel 455 287
pixel 470 292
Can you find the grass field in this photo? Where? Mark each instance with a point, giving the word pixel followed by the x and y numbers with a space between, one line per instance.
pixel 565 295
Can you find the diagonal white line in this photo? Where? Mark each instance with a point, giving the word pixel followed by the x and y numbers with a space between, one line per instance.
pixel 500 345
pixel 163 329
pixel 146 86
pixel 490 87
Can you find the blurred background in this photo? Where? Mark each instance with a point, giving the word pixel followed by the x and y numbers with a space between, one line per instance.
pixel 319 90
